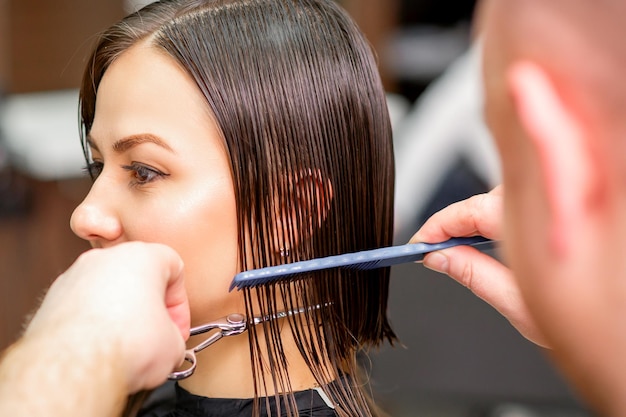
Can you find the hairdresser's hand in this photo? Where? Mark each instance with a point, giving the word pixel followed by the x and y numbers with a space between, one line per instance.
pixel 484 276
pixel 127 304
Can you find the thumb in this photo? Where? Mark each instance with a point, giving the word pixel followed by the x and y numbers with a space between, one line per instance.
pixel 177 304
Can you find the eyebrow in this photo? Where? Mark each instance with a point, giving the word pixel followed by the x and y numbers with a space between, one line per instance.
pixel 131 141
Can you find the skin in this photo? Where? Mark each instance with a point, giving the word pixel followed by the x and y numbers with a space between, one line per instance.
pixel 114 323
pixel 178 192
pixel 561 211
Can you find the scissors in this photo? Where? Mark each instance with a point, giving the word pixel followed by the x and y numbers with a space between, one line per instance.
pixel 230 325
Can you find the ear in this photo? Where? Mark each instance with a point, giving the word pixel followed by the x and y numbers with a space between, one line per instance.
pixel 313 195
pixel 560 140
pixel 310 198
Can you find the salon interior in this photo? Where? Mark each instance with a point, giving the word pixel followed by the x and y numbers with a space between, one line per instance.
pixel 458 356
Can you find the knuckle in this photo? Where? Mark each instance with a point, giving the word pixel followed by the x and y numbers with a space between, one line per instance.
pixel 467 275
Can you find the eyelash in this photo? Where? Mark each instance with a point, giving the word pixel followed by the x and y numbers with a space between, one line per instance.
pixel 142 174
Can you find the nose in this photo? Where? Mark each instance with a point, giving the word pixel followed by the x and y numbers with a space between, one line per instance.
pixel 96 219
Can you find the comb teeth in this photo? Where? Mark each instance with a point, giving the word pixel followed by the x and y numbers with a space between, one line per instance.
pixel 364 266
pixel 241 282
pixel 370 259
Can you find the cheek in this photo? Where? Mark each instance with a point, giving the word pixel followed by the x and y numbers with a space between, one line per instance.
pixel 527 225
pixel 207 230
pixel 202 227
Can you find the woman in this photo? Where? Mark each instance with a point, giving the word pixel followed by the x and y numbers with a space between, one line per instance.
pixel 249 133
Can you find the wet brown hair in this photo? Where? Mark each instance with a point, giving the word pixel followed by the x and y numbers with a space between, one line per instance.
pixel 294 87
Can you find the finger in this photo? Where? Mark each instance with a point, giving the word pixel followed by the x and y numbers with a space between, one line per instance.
pixel 483 275
pixel 477 215
pixel 177 304
pixel 174 292
pixel 489 280
pixel 164 259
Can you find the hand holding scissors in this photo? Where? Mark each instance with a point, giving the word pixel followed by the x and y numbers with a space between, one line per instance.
pixel 230 325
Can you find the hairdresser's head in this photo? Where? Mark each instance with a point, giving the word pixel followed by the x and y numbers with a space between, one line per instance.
pixel 553 73
pixel 246 134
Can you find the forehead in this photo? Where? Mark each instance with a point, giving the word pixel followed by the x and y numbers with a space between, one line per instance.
pixel 145 90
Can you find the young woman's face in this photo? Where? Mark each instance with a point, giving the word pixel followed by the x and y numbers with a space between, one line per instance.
pixel 164 176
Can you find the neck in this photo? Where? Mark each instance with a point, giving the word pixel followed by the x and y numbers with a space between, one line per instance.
pixel 224 370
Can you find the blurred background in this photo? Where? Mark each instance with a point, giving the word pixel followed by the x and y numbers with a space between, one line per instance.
pixel 458 358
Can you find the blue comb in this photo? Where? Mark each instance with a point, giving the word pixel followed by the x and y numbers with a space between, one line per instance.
pixel 368 259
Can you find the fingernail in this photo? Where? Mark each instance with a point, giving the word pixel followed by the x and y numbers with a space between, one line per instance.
pixel 415 238
pixel 437 262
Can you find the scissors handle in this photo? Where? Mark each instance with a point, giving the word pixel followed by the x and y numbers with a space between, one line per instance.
pixel 231 325
pixel 190 356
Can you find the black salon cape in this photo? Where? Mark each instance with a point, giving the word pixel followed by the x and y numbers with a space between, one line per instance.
pixel 173 401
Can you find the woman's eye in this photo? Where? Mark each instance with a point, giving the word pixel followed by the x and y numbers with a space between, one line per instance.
pixel 94 169
pixel 142 174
